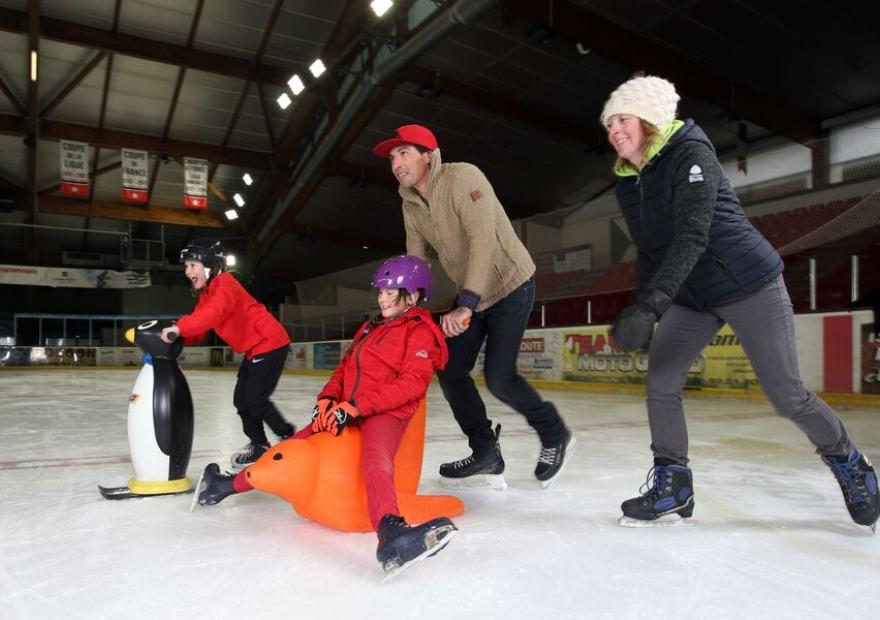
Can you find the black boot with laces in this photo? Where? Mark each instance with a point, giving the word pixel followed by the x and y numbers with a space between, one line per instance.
pixel 481 470
pixel 553 459
pixel 402 544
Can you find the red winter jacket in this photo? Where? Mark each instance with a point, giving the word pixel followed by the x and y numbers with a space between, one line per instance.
pixel 239 319
pixel 389 365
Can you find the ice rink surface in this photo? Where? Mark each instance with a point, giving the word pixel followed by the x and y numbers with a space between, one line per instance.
pixel 770 537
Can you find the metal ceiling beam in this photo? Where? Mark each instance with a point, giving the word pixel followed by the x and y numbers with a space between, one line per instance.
pixel 146 49
pixel 266 118
pixel 12 98
pixel 32 63
pixel 130 213
pixel 73 83
pixel 56 130
pixel 13 125
pixel 578 24
pixel 540 119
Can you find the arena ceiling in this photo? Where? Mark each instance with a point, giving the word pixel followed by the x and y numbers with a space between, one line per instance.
pixel 516 90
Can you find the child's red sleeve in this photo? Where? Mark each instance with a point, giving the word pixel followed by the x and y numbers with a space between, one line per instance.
pixel 207 314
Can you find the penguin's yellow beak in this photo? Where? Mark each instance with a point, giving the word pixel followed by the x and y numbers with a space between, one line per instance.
pixel 129 335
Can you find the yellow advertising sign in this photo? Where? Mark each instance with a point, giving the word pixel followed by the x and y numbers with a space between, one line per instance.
pixel 587 355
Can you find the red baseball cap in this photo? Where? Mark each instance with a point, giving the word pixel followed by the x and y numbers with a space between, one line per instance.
pixel 407 134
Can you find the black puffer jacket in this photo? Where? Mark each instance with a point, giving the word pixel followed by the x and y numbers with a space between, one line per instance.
pixel 694 241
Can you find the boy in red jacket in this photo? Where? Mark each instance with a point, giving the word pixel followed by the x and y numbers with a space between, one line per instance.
pixel 246 326
pixel 377 385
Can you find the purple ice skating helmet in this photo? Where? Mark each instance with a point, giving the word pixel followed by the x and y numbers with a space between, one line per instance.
pixel 406 272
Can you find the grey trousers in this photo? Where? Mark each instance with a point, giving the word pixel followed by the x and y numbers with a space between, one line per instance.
pixel 764 324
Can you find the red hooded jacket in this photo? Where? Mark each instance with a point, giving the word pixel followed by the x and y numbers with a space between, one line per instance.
pixel 389 365
pixel 239 319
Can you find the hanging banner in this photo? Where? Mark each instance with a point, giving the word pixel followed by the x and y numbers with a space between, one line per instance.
pixel 74 168
pixel 135 176
pixel 74 278
pixel 195 173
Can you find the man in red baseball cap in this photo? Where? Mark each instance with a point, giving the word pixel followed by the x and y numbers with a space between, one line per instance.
pixel 407 134
pixel 453 209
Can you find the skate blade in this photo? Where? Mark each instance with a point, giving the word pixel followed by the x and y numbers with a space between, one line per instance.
pixel 116 492
pixel 197 490
pixel 672 520
pixel 569 451
pixel 480 482
pixel 394 572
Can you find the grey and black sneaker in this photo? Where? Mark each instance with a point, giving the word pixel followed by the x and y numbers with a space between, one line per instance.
pixel 247 456
pixel 551 460
pixel 401 544
pixel 481 470
pixel 858 481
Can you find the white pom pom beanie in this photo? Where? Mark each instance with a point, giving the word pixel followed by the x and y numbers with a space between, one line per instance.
pixel 650 98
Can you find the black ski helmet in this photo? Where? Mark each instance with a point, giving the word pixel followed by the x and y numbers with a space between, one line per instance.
pixel 209 252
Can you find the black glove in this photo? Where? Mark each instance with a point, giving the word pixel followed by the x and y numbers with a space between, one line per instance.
pixel 634 327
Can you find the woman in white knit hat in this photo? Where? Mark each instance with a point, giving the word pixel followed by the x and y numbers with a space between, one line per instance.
pixel 702 264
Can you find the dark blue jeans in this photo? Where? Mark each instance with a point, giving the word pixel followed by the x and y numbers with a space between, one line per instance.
pixel 501 327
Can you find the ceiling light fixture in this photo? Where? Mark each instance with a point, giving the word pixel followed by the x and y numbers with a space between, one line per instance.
pixel 317 68
pixel 238 200
pixel 296 84
pixel 284 101
pixel 232 214
pixel 380 7
pixel 248 179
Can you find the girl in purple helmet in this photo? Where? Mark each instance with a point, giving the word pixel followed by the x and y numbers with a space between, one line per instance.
pixel 377 385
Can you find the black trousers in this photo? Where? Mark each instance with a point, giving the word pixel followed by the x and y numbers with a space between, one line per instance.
pixel 257 379
pixel 501 328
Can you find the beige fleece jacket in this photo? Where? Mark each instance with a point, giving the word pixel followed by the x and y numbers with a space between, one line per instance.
pixel 466 225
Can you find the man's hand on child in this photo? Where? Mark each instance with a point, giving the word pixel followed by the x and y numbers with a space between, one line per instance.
pixel 456 322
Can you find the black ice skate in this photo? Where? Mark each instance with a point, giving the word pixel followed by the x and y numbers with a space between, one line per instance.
pixel 553 459
pixel 481 470
pixel 247 456
pixel 401 544
pixel 668 498
pixel 858 481
pixel 213 487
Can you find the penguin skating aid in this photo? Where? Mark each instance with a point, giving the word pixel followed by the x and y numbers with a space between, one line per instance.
pixel 160 420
